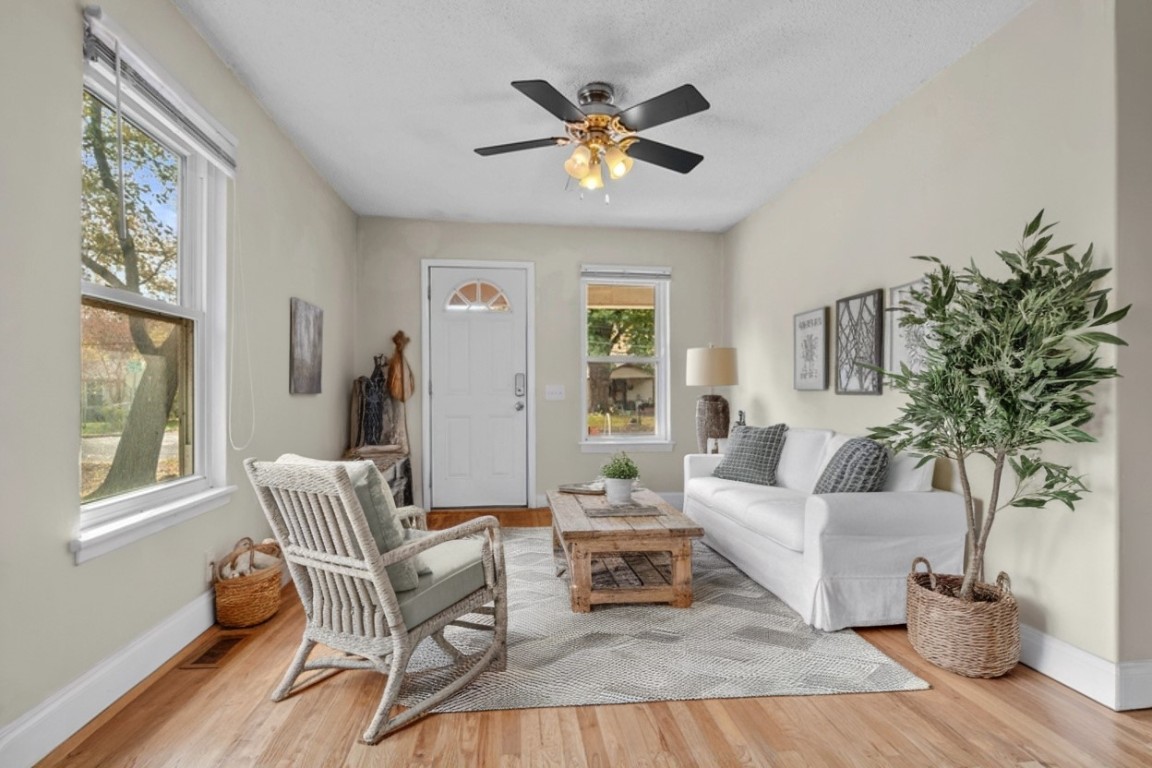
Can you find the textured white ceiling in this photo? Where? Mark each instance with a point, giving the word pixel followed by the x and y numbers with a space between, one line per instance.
pixel 388 99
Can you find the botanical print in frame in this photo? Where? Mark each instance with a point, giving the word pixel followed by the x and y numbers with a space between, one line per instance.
pixel 907 344
pixel 859 339
pixel 307 346
pixel 810 350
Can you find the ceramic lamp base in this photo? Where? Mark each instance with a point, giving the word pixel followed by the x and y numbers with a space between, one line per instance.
pixel 711 420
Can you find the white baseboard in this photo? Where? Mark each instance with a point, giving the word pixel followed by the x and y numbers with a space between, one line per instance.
pixel 43 728
pixel 1135 688
pixel 1127 685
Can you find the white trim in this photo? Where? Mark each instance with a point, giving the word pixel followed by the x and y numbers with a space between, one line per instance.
pixel 621 444
pixel 109 524
pixel 660 279
pixel 1127 685
pixel 44 727
pixel 96 540
pixel 614 271
pixel 1134 686
pixel 1074 667
pixel 426 266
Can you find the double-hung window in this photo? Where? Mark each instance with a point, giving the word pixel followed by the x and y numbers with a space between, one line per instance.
pixel 154 172
pixel 625 358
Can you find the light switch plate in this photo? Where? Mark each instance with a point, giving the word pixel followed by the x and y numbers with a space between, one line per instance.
pixel 553 391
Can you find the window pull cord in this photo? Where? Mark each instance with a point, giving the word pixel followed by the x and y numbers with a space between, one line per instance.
pixel 239 296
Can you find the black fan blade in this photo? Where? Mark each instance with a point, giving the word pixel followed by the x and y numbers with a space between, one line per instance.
pixel 677 103
pixel 542 92
pixel 672 158
pixel 500 149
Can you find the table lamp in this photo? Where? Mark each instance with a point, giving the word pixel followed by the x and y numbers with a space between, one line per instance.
pixel 711 367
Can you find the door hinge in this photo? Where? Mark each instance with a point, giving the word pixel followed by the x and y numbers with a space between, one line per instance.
pixel 429 387
pixel 429 292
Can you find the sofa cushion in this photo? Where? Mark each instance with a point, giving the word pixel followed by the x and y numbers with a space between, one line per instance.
pixel 800 459
pixel 774 513
pixel 904 475
pixel 753 453
pixel 379 512
pixel 860 466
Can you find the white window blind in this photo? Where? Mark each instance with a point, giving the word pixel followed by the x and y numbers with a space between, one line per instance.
pixel 150 87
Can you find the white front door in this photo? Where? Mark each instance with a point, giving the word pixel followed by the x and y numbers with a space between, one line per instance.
pixel 478 377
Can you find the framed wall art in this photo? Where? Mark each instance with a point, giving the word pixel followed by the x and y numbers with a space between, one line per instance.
pixel 810 350
pixel 906 345
pixel 307 346
pixel 859 339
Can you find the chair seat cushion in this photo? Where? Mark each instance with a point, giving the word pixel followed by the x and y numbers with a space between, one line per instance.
pixel 456 571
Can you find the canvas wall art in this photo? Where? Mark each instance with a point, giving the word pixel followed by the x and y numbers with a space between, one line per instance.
pixel 906 345
pixel 859 339
pixel 810 350
pixel 307 343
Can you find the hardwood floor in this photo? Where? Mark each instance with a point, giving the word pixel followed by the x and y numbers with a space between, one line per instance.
pixel 223 717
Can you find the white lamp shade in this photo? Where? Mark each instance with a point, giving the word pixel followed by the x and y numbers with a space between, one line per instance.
pixel 711 367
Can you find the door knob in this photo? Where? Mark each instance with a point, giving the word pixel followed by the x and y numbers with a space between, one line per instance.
pixel 519 405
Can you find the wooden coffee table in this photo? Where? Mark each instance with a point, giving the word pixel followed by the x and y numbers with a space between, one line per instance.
pixel 630 551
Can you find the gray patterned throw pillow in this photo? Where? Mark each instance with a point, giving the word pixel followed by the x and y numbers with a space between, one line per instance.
pixel 752 454
pixel 860 466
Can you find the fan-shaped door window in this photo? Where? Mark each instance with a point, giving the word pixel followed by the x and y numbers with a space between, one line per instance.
pixel 478 296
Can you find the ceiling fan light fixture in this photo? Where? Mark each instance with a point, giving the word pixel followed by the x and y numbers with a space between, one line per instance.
pixel 578 165
pixel 618 162
pixel 594 179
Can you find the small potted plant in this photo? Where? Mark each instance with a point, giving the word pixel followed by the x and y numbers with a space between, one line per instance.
pixel 619 474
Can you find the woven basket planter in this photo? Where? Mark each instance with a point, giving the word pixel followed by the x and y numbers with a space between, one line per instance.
pixel 248 600
pixel 978 638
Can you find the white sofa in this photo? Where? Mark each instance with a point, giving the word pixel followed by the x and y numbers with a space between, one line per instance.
pixel 838 559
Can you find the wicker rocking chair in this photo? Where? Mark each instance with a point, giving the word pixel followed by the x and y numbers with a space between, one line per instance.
pixel 349 602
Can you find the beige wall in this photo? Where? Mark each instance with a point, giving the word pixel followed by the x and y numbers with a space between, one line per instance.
pixel 299 239
pixel 389 298
pixel 1134 247
pixel 1025 121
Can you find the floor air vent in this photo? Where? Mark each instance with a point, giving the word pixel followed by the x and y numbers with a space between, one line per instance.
pixel 214 654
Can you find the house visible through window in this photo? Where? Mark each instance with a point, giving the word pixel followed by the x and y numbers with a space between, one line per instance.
pixel 625 355
pixel 154 174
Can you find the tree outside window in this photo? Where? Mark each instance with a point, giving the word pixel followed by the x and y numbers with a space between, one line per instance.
pixel 135 360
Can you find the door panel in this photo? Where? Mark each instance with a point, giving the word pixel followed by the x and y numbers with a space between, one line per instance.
pixel 478 425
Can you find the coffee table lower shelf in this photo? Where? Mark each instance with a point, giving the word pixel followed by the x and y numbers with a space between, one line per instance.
pixel 623 571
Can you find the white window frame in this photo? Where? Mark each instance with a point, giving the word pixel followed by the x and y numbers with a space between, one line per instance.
pixel 660 279
pixel 108 524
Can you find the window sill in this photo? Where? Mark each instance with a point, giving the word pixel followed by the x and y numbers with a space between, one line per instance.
pixel 102 538
pixel 637 446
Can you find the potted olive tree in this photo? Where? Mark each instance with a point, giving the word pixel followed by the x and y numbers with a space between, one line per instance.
pixel 619 474
pixel 1009 365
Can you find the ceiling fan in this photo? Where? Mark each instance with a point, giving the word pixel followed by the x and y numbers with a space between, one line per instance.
pixel 605 135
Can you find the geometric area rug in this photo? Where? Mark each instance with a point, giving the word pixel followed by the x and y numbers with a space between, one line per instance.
pixel 737 640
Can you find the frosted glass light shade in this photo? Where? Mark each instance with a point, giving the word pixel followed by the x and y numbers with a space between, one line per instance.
pixel 593 180
pixel 711 367
pixel 577 164
pixel 618 163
